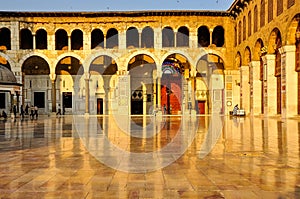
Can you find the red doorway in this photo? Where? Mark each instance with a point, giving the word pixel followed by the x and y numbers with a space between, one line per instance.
pixel 171 93
pixel 201 107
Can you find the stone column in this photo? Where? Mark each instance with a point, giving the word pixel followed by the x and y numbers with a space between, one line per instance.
pixel 34 43
pixel 12 101
pixel 193 73
pixel 193 40
pixel 122 40
pixel 144 99
pixel 289 81
pixel 210 36
pixel 51 45
pixel 245 89
pixel 157 38
pixel 87 93
pixel 159 90
pixel 255 92
pixel 53 92
pixel 18 100
pixel 104 41
pixel 140 40
pixel 154 75
pixel 270 96
pixel 87 45
pixel 107 90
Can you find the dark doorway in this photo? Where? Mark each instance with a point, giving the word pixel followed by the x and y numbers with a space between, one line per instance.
pixel 2 100
pixel 99 106
pixel 39 99
pixel 137 102
pixel 67 99
pixel 137 107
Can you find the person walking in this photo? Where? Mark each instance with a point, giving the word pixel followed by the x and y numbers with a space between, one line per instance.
pixel 36 109
pixel 15 112
pixel 165 109
pixel 26 109
pixel 31 112
pixel 22 112
pixel 59 110
pixel 235 109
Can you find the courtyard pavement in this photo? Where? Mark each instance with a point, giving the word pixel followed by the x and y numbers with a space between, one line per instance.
pixel 150 157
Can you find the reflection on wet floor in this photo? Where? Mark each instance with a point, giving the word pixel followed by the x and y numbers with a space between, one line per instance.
pixel 87 157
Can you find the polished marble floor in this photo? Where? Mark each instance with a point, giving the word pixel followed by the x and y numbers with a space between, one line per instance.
pixel 150 157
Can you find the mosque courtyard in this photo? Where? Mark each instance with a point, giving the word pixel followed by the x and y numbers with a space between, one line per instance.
pixel 150 157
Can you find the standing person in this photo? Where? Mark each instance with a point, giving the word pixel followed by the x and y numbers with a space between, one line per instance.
pixel 165 109
pixel 31 112
pixel 64 109
pixel 235 109
pixel 22 112
pixel 15 111
pixel 59 110
pixel 26 109
pixel 36 109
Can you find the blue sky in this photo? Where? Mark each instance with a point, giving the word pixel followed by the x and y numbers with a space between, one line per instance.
pixel 112 5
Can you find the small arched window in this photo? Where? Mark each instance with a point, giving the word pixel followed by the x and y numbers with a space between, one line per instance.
pixel 147 38
pixel 97 39
pixel 112 38
pixel 218 36
pixel 41 39
pixel 61 40
pixel 203 37
pixel 262 13
pixel 5 40
pixel 255 19
pixel 26 40
pixel 77 40
pixel 132 38
pixel 182 37
pixel 167 37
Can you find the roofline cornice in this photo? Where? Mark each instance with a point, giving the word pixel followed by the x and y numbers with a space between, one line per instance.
pixel 115 13
pixel 237 7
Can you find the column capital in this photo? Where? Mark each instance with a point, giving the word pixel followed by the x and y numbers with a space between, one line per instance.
pixel 193 72
pixel 87 76
pixel 270 56
pixel 122 72
pixel 254 64
pixel 244 67
pixel 288 48
pixel 52 76
pixel 159 73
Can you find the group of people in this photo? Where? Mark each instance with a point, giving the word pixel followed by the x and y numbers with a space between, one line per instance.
pixel 31 111
pixel 59 110
pixel 25 111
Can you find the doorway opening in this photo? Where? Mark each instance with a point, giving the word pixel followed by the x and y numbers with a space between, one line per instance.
pixel 99 106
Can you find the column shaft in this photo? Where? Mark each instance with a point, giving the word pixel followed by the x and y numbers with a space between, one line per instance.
pixel 256 88
pixel 159 93
pixel 87 95
pixel 271 86
pixel 245 89
pixel 289 82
